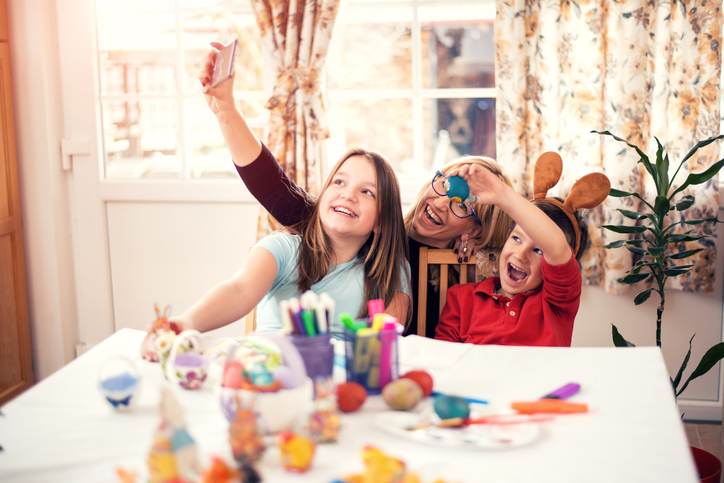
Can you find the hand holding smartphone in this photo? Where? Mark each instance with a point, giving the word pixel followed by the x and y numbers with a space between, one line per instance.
pixel 224 63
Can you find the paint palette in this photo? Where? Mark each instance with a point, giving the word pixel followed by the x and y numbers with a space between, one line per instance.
pixel 482 436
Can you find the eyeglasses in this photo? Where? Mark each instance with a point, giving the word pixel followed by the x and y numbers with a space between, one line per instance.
pixel 461 209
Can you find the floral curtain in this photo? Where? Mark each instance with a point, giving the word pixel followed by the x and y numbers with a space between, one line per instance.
pixel 296 34
pixel 638 69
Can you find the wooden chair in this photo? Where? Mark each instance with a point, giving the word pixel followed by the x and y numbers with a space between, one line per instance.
pixel 444 258
pixel 250 322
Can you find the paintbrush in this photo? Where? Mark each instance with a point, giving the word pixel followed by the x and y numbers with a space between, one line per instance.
pixel 498 419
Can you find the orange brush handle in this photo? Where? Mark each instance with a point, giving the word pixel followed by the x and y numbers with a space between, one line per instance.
pixel 549 406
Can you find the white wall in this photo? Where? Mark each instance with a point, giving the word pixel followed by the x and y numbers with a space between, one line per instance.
pixel 159 268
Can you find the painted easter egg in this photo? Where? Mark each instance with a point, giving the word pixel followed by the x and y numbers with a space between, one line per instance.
pixel 422 378
pixel 350 396
pixel 447 407
pixel 402 394
pixel 457 188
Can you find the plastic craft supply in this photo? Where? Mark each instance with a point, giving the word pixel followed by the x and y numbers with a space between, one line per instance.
pixel 469 400
pixel 564 392
pixel 549 406
pixel 297 452
pixel 119 382
pixel 371 356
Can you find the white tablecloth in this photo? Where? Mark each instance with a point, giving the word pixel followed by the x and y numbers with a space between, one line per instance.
pixel 61 429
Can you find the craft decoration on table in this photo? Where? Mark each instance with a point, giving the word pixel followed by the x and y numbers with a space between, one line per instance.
pixel 185 364
pixel 371 350
pixel 422 379
pixel 402 394
pixel 448 407
pixel 161 334
pixel 297 451
pixel 324 422
pixel 220 472
pixel 174 455
pixel 380 467
pixel 350 396
pixel 119 382
pixel 247 445
pixel 266 373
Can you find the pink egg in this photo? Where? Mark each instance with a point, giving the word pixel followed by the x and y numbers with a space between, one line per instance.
pixel 232 375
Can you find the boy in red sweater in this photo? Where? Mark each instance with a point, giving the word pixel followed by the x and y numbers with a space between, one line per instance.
pixel 536 297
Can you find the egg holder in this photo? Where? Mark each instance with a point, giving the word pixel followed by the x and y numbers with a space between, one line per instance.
pixel 119 382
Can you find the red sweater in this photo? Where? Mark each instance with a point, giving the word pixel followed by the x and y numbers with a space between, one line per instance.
pixel 476 314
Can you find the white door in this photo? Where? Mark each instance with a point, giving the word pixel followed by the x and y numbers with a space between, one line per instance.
pixel 158 214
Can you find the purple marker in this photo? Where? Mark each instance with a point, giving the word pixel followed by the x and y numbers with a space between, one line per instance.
pixel 564 392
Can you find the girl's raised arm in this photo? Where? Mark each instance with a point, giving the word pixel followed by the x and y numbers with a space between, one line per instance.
pixel 256 165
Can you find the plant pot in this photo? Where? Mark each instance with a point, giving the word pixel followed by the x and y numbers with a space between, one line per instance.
pixel 708 466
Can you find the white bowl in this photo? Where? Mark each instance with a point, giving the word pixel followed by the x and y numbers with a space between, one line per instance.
pixel 276 411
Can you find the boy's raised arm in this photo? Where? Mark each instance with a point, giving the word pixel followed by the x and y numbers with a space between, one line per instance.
pixel 488 188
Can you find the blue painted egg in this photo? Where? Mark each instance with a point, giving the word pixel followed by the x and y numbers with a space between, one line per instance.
pixel 447 407
pixel 458 188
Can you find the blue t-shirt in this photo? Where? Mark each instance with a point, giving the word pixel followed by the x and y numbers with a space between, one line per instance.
pixel 344 283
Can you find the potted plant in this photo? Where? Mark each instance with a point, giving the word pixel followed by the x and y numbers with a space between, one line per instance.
pixel 658 243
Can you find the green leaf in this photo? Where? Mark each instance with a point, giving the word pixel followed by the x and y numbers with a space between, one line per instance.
pixel 643 296
pixel 677 379
pixel 619 193
pixel 685 202
pixel 662 167
pixel 699 178
pixel 693 150
pixel 615 244
pixel 624 228
pixel 701 220
pixel 677 270
pixel 636 250
pixel 662 206
pixel 632 215
pixel 633 278
pixel 685 254
pixel 642 156
pixel 712 356
pixel 684 237
pixel 618 339
pixel 635 241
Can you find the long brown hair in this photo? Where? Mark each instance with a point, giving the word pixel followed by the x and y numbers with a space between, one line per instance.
pixel 383 254
pixel 493 224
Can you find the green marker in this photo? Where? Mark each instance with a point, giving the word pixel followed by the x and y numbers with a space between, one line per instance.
pixel 348 322
pixel 308 321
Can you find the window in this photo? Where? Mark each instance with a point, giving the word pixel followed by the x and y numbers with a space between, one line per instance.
pixel 411 79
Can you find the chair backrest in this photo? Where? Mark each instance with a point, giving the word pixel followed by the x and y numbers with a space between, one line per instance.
pixel 250 322
pixel 444 258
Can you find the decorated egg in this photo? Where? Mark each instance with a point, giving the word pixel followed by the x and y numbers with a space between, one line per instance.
pixel 350 396
pixel 422 378
pixel 448 407
pixel 119 382
pixel 402 394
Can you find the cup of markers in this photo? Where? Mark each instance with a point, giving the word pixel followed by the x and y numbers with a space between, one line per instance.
pixel 371 350
pixel 307 322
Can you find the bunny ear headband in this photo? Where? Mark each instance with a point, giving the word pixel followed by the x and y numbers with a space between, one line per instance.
pixel 587 192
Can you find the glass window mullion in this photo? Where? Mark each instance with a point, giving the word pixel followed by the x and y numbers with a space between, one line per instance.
pixel 182 145
pixel 417 111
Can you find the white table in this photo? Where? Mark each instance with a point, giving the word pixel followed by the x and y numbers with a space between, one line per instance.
pixel 61 430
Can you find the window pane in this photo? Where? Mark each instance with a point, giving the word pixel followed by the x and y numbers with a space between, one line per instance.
pixel 222 24
pixel 136 25
pixel 370 50
pixel 136 72
pixel 209 156
pixel 140 138
pixel 456 127
pixel 383 126
pixel 458 47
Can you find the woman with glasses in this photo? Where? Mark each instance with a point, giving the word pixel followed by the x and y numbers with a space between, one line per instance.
pixel 436 221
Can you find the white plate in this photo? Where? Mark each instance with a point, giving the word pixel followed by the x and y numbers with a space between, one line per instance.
pixel 485 436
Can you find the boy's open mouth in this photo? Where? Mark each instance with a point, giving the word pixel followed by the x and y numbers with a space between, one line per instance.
pixel 516 273
pixel 432 216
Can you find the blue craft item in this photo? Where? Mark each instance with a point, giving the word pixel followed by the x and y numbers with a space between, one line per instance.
pixel 457 188
pixel 118 382
pixel 121 382
pixel 448 407
pixel 125 402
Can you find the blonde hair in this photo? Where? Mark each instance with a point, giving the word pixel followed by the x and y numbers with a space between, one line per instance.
pixel 382 254
pixel 494 225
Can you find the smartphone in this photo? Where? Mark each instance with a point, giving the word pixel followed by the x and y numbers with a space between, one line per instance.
pixel 224 63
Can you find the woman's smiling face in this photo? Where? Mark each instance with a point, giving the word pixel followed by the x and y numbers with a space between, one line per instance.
pixel 434 224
